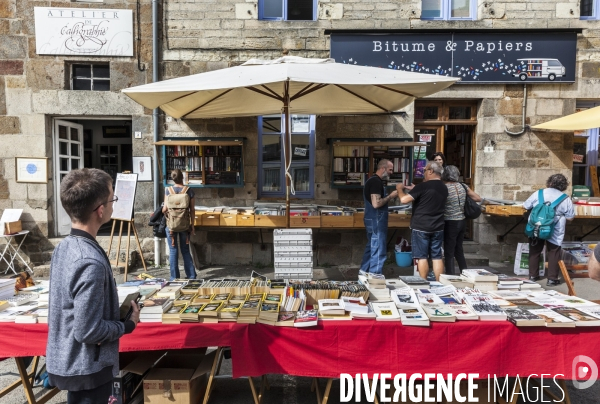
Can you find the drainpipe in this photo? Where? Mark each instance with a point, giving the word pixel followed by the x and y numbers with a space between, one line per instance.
pixel 157 240
pixel 523 126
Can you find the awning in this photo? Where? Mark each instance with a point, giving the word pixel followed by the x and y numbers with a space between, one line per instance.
pixel 588 119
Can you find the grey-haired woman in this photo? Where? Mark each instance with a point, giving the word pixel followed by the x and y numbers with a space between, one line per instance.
pixel 454 219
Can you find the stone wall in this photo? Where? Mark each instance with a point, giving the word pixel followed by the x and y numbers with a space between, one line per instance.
pixel 33 90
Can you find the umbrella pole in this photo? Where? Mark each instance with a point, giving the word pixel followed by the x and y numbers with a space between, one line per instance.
pixel 288 157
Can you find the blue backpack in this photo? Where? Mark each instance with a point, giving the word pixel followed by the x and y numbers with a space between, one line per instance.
pixel 541 220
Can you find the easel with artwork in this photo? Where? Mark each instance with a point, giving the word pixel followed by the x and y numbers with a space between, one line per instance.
pixel 123 212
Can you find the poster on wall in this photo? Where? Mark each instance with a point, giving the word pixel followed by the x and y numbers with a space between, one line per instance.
pixel 83 31
pixel 474 57
pixel 142 166
pixel 125 192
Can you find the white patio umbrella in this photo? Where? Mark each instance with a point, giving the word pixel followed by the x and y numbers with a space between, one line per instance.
pixel 587 119
pixel 288 85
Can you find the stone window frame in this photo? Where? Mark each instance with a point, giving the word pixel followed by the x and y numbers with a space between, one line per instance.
pixel 595 11
pixel 284 12
pixel 446 9
pixel 70 76
pixel 310 164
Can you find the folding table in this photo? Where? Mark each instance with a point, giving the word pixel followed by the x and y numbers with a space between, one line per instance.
pixel 9 253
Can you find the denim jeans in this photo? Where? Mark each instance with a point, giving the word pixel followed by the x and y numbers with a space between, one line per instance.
pixel 427 244
pixel 376 248
pixel 454 235
pixel 180 239
pixel 99 395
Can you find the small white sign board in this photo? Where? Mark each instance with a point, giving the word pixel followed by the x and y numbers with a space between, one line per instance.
pixel 125 191
pixel 83 31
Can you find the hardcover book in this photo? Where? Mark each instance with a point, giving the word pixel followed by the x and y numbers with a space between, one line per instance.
pixel 552 318
pixel 306 318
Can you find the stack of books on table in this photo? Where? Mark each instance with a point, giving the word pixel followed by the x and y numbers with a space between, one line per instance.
pixel 333 309
pixel 269 312
pixel 172 316
pixel 456 280
pixel 172 290
pixel 250 309
pixel 286 319
pixel 415 282
pixel 385 311
pixel 190 313
pixel 191 288
pixel 529 285
pixel 7 288
pixel 154 308
pixel 485 307
pixel 209 313
pixel 375 284
pixel 482 279
pixel 358 308
pixel 306 318
pixel 506 282
pixel 28 315
pixel 229 311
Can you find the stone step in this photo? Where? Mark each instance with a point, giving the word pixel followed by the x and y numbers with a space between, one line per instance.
pixel 470 247
pixel 476 260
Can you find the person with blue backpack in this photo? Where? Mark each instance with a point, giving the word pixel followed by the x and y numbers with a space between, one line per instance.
pixel 548 211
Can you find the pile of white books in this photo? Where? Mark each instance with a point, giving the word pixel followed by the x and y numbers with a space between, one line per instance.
pixel 482 279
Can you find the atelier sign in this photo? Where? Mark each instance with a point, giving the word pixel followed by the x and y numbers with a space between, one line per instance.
pixel 83 32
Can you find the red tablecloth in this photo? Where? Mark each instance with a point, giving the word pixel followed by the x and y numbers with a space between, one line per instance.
pixel 30 339
pixel 334 347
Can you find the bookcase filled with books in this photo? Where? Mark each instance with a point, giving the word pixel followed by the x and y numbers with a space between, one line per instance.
pixel 353 161
pixel 205 162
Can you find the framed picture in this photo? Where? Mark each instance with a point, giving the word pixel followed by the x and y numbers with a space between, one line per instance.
pixel 31 169
pixel 142 166
pixel 123 131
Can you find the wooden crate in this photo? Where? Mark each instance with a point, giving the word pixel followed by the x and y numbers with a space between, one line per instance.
pixel 12 227
pixel 337 221
pixel 305 221
pixel 211 219
pixel 359 218
pixel 228 219
pixel 269 221
pixel 245 220
pixel 395 220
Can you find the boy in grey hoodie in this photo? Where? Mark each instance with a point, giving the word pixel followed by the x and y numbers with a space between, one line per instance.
pixel 82 355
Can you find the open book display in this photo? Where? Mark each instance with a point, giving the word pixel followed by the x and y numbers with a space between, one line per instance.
pixel 306 303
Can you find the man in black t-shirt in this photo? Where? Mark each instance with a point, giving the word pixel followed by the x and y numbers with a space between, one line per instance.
pixel 427 221
pixel 376 218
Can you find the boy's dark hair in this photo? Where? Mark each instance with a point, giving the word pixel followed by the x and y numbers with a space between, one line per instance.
pixel 177 176
pixel 81 191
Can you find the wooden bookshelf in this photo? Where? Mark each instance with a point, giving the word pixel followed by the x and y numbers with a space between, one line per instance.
pixel 205 162
pixel 353 161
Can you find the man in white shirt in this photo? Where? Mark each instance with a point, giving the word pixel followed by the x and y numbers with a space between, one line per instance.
pixel 555 185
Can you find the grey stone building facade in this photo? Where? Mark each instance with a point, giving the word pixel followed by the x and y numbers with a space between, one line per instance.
pixel 200 35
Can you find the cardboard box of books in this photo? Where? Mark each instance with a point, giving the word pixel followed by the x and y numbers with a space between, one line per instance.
pixel 180 377
pixel 127 387
pixel 522 260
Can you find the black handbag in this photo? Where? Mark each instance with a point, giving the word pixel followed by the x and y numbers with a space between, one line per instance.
pixel 159 223
pixel 472 209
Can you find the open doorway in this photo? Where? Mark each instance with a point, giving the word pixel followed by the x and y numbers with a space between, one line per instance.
pixel 449 127
pixel 91 143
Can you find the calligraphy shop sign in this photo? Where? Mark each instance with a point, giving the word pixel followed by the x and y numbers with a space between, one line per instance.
pixel 83 32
